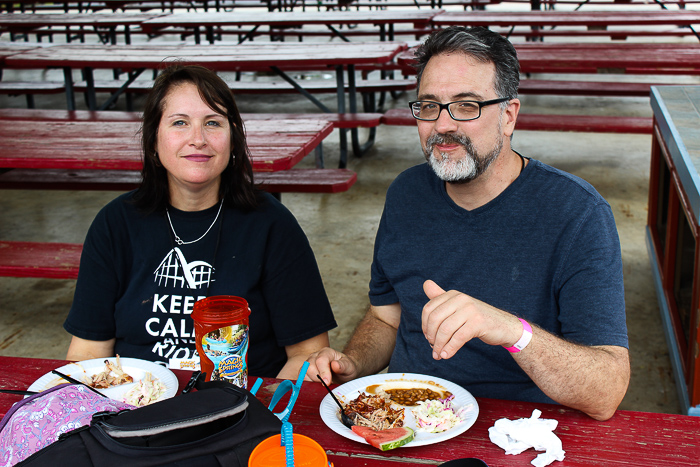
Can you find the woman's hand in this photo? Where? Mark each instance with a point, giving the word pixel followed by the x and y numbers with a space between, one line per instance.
pixel 298 353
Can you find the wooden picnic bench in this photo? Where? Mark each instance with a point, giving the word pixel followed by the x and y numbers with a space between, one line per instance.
pixel 40 259
pixel 284 181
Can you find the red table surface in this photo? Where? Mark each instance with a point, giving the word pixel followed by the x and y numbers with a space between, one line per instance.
pixel 290 18
pixel 255 56
pixel 32 20
pixel 11 48
pixel 628 438
pixel 620 58
pixel 274 145
pixel 567 18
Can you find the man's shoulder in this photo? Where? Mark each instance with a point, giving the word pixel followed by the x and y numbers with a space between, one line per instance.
pixel 564 183
pixel 408 179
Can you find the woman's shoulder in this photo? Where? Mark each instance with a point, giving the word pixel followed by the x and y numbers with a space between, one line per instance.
pixel 271 207
pixel 120 209
pixel 269 221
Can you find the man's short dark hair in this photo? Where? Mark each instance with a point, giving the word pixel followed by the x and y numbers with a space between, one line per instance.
pixel 481 44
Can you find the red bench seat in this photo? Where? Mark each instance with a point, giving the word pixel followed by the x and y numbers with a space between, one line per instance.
pixel 285 181
pixel 62 260
pixel 35 259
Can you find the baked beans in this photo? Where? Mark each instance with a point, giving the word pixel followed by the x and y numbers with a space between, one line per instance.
pixel 412 396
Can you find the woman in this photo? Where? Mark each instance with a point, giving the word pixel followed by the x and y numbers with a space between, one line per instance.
pixel 196 227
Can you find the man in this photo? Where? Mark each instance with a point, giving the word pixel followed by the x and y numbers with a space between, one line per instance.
pixel 481 249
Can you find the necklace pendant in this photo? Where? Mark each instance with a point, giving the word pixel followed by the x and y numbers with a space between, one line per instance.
pixel 179 241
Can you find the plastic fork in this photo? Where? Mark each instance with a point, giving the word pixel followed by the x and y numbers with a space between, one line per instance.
pixel 347 421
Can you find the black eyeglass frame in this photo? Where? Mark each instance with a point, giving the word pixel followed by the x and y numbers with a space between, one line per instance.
pixel 447 107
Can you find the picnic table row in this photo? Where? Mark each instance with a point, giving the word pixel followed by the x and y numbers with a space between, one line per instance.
pixel 344 58
pixel 216 25
pixel 279 58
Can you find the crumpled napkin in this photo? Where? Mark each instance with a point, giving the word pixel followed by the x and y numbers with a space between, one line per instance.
pixel 515 436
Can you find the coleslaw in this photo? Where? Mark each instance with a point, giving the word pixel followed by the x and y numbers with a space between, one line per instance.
pixel 436 416
pixel 145 392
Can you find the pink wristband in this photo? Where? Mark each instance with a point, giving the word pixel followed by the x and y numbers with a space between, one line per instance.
pixel 524 339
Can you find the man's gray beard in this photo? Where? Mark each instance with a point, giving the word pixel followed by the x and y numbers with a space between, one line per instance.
pixel 463 170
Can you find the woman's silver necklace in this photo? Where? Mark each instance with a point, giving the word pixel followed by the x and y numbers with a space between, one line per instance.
pixel 179 241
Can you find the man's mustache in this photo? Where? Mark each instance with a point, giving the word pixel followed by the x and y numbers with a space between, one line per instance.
pixel 447 138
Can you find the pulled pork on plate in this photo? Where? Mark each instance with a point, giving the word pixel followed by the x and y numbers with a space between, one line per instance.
pixel 113 375
pixel 374 412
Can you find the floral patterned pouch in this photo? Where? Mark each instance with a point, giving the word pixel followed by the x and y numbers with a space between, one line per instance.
pixel 38 420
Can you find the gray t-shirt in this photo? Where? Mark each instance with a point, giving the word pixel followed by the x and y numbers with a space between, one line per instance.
pixel 546 250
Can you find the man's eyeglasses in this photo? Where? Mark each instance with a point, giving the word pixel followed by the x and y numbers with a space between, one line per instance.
pixel 461 111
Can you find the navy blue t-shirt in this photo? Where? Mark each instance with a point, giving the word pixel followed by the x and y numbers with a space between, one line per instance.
pixel 546 250
pixel 136 285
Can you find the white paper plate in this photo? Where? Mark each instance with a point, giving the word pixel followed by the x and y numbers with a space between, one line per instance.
pixel 134 367
pixel 351 389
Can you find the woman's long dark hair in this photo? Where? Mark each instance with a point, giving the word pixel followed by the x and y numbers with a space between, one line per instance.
pixel 237 188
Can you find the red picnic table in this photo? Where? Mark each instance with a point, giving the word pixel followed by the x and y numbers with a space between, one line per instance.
pixel 629 438
pixel 620 58
pixel 8 49
pixel 277 57
pixel 617 24
pixel 104 25
pixel 216 24
pixel 274 145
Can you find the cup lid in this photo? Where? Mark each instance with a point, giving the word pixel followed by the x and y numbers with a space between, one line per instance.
pixel 270 452
pixel 221 309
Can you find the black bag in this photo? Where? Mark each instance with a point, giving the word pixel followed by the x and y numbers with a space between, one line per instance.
pixel 218 425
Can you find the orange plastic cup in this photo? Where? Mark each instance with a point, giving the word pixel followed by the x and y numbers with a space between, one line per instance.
pixel 307 453
pixel 221 334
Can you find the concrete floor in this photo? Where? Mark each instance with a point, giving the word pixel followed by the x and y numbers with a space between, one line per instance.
pixel 341 229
